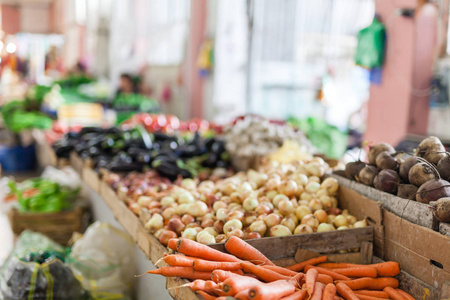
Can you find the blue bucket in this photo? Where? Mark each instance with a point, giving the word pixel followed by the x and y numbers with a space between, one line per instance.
pixel 18 158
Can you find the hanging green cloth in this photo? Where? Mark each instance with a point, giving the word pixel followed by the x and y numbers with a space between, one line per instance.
pixel 370 49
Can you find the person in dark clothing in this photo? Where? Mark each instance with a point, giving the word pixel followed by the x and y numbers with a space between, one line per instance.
pixel 127 85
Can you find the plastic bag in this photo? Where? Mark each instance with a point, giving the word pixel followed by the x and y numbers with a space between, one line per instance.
pixel 66 176
pixel 103 261
pixel 36 270
pixel 370 49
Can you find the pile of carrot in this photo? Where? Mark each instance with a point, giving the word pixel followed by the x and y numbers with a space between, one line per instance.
pixel 245 273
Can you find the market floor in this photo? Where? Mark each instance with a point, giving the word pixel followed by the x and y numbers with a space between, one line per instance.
pixel 6 236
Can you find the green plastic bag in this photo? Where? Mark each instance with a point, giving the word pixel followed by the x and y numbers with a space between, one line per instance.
pixel 370 49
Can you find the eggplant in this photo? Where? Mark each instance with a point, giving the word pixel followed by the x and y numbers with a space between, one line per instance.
pixel 125 167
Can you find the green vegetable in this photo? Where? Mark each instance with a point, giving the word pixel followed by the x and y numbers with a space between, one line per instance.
pixel 17 119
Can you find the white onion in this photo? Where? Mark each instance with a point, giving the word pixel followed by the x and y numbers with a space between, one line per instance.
pixel 271 194
pixel 155 223
pixel 211 230
pixel 166 201
pixel 331 185
pixel 288 188
pixel 306 196
pixel 301 179
pixel 236 207
pixel 269 204
pixel 144 201
pixel 343 227
pixel 186 197
pixel 259 226
pixel 334 202
pixel 233 205
pixel 278 198
pixel 326 201
pixel 228 188
pixel 250 203
pixel 231 225
pixel 303 229
pixel 315 204
pixel 303 202
pixel 222 214
pixel 205 238
pixel 273 183
pixel 236 232
pixel 315 169
pixel 249 220
pixel 189 233
pixel 311 221
pixel 219 204
pixel 351 219
pixel 340 221
pixel 331 218
pixel 289 223
pixel 302 211
pixel 285 207
pixel 236 197
pixel 197 209
pixel 325 227
pixel 263 209
pixel 360 224
pixel 321 215
pixel 188 184
pixel 272 220
pixel 168 213
pixel 321 192
pixel 313 179
pixel 158 233
pixel 279 230
pixel 244 189
pixel 312 187
pixel 236 214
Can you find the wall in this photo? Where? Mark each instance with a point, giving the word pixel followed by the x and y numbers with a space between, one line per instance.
pixel 10 19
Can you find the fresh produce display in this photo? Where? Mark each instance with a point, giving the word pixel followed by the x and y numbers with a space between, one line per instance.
pixel 42 195
pixel 17 118
pixel 278 200
pixel 135 149
pixel 245 273
pixel 126 105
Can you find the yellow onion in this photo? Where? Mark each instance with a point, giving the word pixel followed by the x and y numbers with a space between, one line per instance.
pixel 222 214
pixel 244 189
pixel 168 213
pixel 351 219
pixel 218 225
pixel 288 188
pixel 334 202
pixel 269 204
pixel 189 233
pixel 231 225
pixel 272 220
pixel 331 218
pixel 300 179
pixel 250 203
pixel 271 194
pixel 237 214
pixel 205 238
pixel 343 227
pixel 228 188
pixel 273 183
pixel 303 202
pixel 306 196
pixel 207 222
pixel 315 169
pixel 340 220
pixel 176 225
pixel 155 223
pixel 158 232
pixel 311 221
pixel 259 226
pixel 211 230
pixel 321 215
pixel 285 207
pixel 207 184
pixel 219 204
pixel 303 229
pixel 236 232
pixel 185 197
pixel 134 207
pixel 360 224
pixel 289 223
pixel 236 197
pixel 325 227
pixel 187 219
pixel 331 185
pixel 321 192
pixel 182 208
pixel 188 184
pixel 166 235
pixel 278 198
pixel 315 204
pixel 313 179
pixel 166 201
pixel 197 209
pixel 233 205
pixel 144 201
pixel 279 230
pixel 312 187
pixel 326 202
pixel 249 220
pixel 263 209
pixel 302 211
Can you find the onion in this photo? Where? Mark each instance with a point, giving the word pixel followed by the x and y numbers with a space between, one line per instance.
pixel 222 214
pixel 285 207
pixel 166 235
pixel 325 227
pixel 218 225
pixel 300 179
pixel 219 204
pixel 187 219
pixel 259 226
pixel 182 208
pixel 207 184
pixel 168 213
pixel 279 230
pixel 237 214
pixel 321 192
pixel 312 187
pixel 185 197
pixel 334 202
pixel 197 209
pixel 205 238
pixel 231 225
pixel 269 204
pixel 360 224
pixel 303 229
pixel 288 188
pixel 228 189
pixel 134 207
pixel 278 198
pixel 156 222
pixel 158 232
pixel 154 204
pixel 211 230
pixel 144 201
pixel 271 194
pixel 303 202
pixel 209 215
pixel 351 219
pixel 343 227
pixel 189 233
pixel 313 179
pixel 188 184
pixel 244 189
pixel 326 202
pixel 306 196
pixel 250 203
pixel 198 228
pixel 253 235
pixel 176 225
pixel 193 225
pixel 289 223
pixel 236 197
pixel 331 185
pixel 207 222
pixel 315 204
pixel 272 220
pixel 233 206
pixel 311 221
pixel 236 232
pixel 249 220
pixel 331 218
pixel 315 169
pixel 321 215
pixel 273 183
pixel 302 211
pixel 263 209
pixel 221 238
pixel 166 201
pixel 340 220
pixel 225 199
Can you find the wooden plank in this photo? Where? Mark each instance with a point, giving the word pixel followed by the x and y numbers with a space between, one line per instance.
pixel 76 162
pixel 417 288
pixel 91 178
pixel 179 293
pixel 413 211
pixel 445 291
pixel 444 228
pixel 320 242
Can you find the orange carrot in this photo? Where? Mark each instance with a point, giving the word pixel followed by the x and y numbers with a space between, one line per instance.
pixel 183 272
pixel 359 271
pixel 311 277
pixel 405 294
pixel 378 294
pixel 172 244
pixel 242 295
pixel 245 251
pixel 334 275
pixel 389 268
pixel 318 291
pixel 274 290
pixel 325 279
pixel 345 291
pixel 365 297
pixel 221 275
pixel 234 285
pixel 329 292
pixel 206 296
pixel 178 260
pixel 191 248
pixel 263 274
pixel 298 295
pixel 280 270
pixel 224 298
pixel 393 294
pixel 301 265
pixel 206 265
pixel 337 265
pixel 372 283
pixel 202 285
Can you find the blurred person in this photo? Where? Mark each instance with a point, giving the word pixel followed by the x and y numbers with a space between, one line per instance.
pixel 127 85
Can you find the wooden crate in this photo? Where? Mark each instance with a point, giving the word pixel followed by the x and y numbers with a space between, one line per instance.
pixel 413 211
pixel 57 226
pixel 444 228
pixel 91 177
pixel 76 162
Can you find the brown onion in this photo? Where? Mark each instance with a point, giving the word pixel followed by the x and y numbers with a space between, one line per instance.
pixel 166 235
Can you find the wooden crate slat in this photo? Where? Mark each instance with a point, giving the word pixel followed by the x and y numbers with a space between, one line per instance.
pixel 76 162
pixel 91 178
pixel 444 228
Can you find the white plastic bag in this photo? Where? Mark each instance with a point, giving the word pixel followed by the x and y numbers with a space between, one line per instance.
pixel 103 261
pixel 66 176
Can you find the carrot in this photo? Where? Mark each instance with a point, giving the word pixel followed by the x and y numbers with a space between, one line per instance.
pixel 206 265
pixel 234 285
pixel 183 272
pixel 178 260
pixel 334 275
pixel 245 251
pixel 389 268
pixel 345 291
pixel 242 295
pixel 337 265
pixel 172 244
pixel 329 292
pixel 191 248
pixel 405 294
pixel 372 283
pixel 359 271
pixel 365 297
pixel 206 296
pixel 280 270
pixel 263 274
pixel 318 291
pixel 311 277
pixel 301 265
pixel 274 290
pixel 298 295
pixel 325 279
pixel 393 294
pixel 378 294
pixel 221 275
